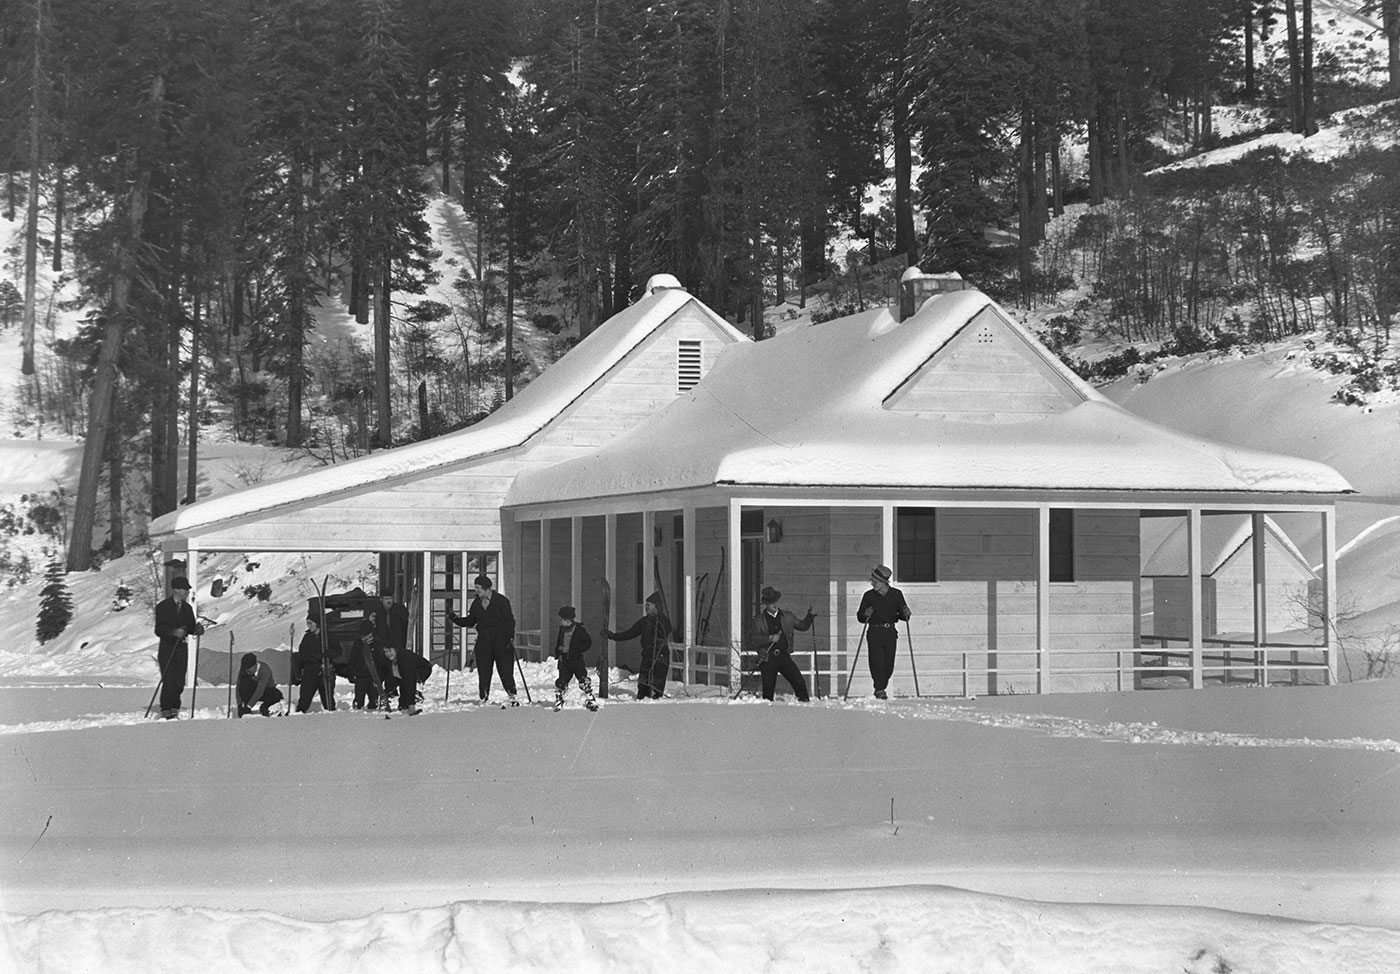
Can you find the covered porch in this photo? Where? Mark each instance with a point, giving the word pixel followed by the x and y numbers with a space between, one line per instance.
pixel 1012 591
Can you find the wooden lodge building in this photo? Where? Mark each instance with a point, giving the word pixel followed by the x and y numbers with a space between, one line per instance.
pixel 667 451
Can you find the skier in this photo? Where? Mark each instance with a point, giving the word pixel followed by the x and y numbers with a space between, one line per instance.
pixel 363 670
pixel 175 621
pixel 313 669
pixel 490 613
pixel 400 671
pixel 569 646
pixel 772 637
pixel 654 629
pixel 256 686
pixel 881 609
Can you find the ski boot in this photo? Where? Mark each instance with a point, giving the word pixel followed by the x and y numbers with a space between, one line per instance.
pixel 558 700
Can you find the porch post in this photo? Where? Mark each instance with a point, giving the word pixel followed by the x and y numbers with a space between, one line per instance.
pixel 544 583
pixel 192 573
pixel 425 602
pixel 887 537
pixel 647 567
pixel 576 562
pixel 736 594
pixel 610 573
pixel 1261 618
pixel 1042 598
pixel 688 600
pixel 1193 597
pixel 1329 592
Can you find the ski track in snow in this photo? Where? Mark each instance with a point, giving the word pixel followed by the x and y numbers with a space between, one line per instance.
pixel 899 708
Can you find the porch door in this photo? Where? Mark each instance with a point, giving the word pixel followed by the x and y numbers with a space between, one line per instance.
pixel 751 580
pixel 446 588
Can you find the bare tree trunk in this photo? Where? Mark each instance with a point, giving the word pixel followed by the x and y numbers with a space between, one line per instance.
pixel 1295 66
pixel 1249 85
pixel 1309 124
pixel 31 222
pixel 384 430
pixel 58 200
pixel 904 241
pixel 105 378
pixel 116 483
pixel 1390 22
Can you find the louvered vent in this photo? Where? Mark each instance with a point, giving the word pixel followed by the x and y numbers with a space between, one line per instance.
pixel 687 365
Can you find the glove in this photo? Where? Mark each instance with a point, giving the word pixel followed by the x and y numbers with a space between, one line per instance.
pixel 456 619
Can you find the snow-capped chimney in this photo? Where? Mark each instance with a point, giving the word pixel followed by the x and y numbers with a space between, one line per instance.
pixel 916 287
pixel 663 282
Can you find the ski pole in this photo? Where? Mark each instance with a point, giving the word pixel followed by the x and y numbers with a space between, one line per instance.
pixel 230 674
pixel 291 648
pixel 852 675
pixel 159 683
pixel 816 673
pixel 194 688
pixel 910 637
pixel 523 682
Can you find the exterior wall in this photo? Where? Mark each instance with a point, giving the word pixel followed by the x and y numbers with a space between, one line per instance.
pixel 986 374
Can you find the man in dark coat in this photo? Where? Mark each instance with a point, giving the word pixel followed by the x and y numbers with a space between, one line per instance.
pixel 881 609
pixel 396 630
pixel 256 687
pixel 490 613
pixel 654 630
pixel 400 671
pixel 313 669
pixel 175 621
pixel 569 646
pixel 772 638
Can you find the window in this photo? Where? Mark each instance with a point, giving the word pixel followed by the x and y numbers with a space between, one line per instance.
pixel 640 574
pixel 1061 545
pixel 916 544
pixel 751 522
pixel 486 563
pixel 687 365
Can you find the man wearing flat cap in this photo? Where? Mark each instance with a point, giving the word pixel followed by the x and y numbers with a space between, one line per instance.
pixel 175 621
pixel 654 631
pixel 490 613
pixel 569 646
pixel 772 638
pixel 881 609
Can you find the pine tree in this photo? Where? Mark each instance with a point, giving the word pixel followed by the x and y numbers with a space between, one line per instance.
pixel 55 603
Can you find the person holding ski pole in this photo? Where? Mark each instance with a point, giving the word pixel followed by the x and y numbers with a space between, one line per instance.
pixel 175 622
pixel 569 646
pixel 491 615
pixel 256 686
pixel 654 629
pixel 772 638
pixel 881 609
pixel 363 670
pixel 315 671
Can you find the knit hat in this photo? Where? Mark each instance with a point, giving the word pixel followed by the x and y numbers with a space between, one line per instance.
pixel 482 581
pixel 249 660
pixel 567 612
pixel 882 573
pixel 769 595
pixel 655 599
pixel 181 582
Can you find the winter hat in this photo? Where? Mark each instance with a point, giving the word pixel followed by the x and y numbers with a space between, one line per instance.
pixel 482 581
pixel 882 574
pixel 567 612
pixel 655 599
pixel 366 625
pixel 181 582
pixel 249 660
pixel 769 595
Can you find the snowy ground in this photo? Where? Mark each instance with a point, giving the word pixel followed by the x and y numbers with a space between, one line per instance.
pixel 1250 830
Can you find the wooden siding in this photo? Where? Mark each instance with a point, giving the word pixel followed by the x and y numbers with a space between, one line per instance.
pixel 459 509
pixel 987 373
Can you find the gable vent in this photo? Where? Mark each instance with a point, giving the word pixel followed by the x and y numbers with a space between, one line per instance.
pixel 687 365
pixel 985 336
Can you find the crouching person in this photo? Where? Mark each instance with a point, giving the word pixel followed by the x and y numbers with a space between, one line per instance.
pixel 256 687
pixel 401 671
pixel 569 646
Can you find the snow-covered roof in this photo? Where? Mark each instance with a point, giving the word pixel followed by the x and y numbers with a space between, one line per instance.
pixel 529 411
pixel 808 409
pixel 1222 536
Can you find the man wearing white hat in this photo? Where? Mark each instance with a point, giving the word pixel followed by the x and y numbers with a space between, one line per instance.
pixel 881 609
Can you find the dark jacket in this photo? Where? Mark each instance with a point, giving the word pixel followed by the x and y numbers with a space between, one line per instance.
pixel 653 631
pixel 362 662
pixel 413 664
pixel 494 623
pixel 580 642
pixel 171 616
pixel 396 632
pixel 882 610
pixel 787 622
